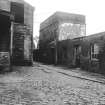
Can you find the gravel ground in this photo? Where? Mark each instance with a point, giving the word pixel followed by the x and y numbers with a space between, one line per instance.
pixel 40 86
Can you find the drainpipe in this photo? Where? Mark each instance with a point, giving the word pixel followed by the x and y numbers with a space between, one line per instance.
pixel 11 44
pixel 11 34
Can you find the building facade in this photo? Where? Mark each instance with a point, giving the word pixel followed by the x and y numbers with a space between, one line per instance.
pixel 59 28
pixel 16 19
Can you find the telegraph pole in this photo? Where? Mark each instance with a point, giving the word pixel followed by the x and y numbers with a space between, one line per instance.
pixel 56 51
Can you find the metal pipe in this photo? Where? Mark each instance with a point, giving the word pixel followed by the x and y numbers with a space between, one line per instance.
pixel 11 43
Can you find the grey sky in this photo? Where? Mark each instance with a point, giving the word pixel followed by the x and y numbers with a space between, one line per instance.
pixel 93 9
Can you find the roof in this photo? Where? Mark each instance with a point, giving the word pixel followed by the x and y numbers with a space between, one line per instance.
pixel 22 1
pixel 94 38
pixel 95 35
pixel 63 16
pixel 19 1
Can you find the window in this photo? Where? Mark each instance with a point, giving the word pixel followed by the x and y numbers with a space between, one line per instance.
pixel 94 52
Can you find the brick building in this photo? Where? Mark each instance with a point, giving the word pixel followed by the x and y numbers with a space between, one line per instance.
pixel 55 33
pixel 16 19
pixel 93 53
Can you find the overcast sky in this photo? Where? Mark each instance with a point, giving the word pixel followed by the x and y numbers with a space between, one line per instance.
pixel 94 10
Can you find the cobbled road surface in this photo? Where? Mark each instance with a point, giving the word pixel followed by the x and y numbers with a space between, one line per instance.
pixel 45 85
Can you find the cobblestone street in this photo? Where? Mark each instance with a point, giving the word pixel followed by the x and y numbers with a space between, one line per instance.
pixel 45 85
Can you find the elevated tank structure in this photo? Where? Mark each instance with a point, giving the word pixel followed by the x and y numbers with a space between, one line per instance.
pixel 16 23
pixel 55 32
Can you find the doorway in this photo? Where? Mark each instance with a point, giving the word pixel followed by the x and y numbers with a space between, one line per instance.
pixel 77 52
pixel 5 39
